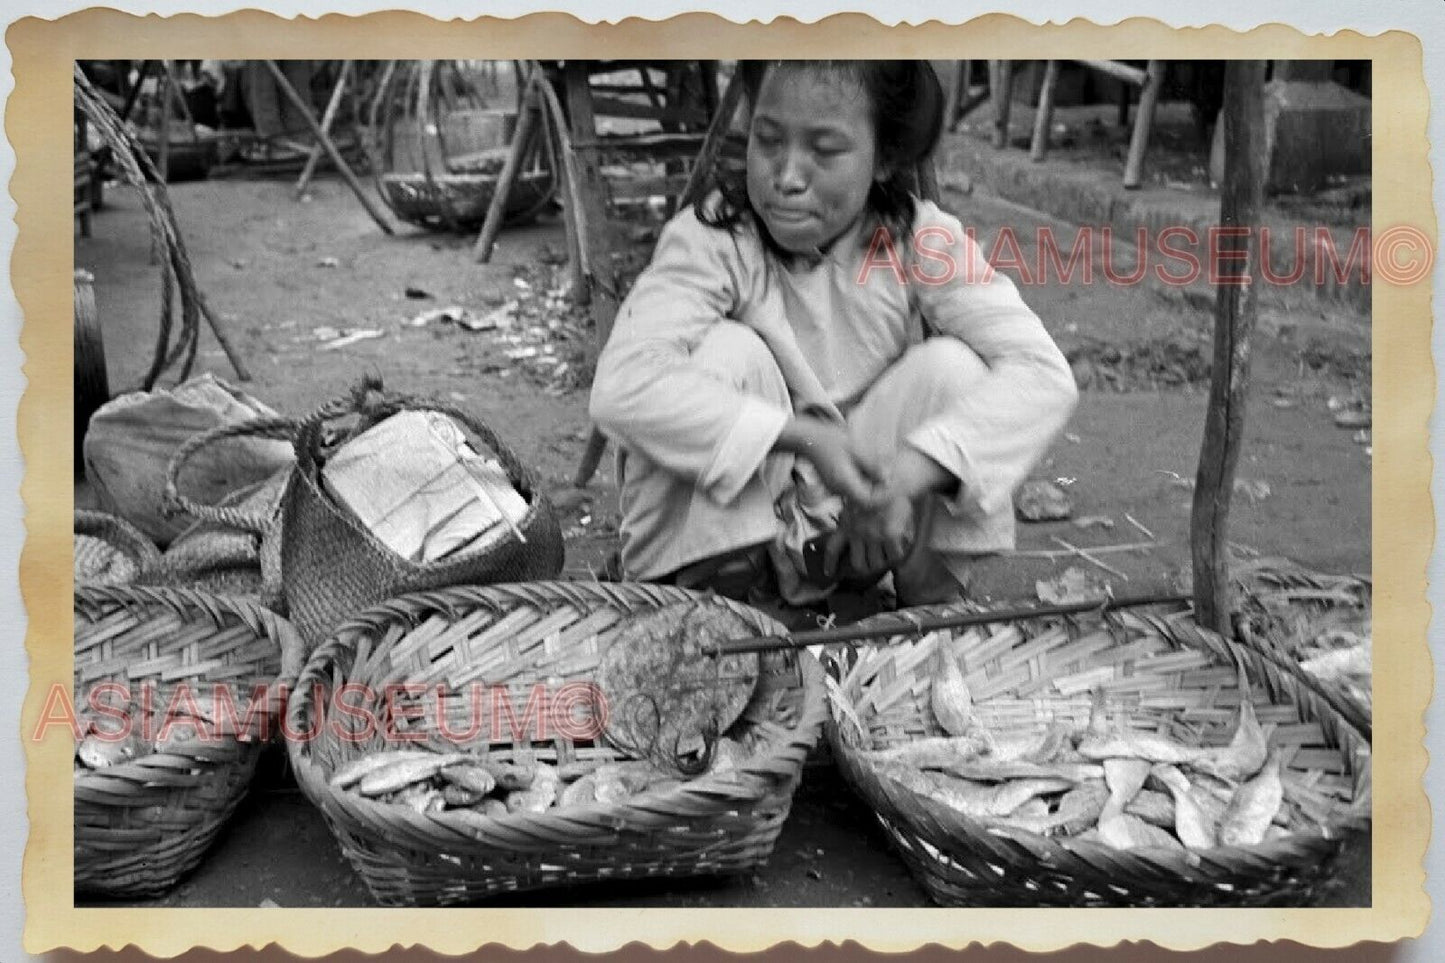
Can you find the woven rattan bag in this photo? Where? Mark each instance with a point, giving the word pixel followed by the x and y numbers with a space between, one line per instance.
pixel 110 551
pixel 404 669
pixel 1165 675
pixel 151 789
pixel 333 567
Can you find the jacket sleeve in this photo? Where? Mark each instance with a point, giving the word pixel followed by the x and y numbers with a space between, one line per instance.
pixel 647 393
pixel 1000 427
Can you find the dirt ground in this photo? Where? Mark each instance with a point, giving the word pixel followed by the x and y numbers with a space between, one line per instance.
pixel 281 272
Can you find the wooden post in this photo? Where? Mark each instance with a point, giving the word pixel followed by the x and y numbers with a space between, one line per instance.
pixel 163 148
pixel 1044 117
pixel 955 92
pixel 327 120
pixel 1143 121
pixel 325 140
pixel 1003 95
pixel 1242 197
pixel 522 139
pixel 712 143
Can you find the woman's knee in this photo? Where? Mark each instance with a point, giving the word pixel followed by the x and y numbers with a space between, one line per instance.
pixel 738 355
pixel 942 362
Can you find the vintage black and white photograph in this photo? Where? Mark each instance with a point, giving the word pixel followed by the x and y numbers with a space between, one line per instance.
pixel 724 483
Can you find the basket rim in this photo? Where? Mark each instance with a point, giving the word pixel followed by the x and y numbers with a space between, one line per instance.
pixel 877 791
pixel 753 779
pixel 189 603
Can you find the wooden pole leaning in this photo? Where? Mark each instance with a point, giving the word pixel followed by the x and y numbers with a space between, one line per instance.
pixel 324 139
pixel 327 119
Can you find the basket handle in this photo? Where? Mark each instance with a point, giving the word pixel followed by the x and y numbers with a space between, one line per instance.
pixel 114 528
pixel 172 501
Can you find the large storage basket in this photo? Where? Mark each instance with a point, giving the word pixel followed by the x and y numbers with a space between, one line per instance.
pixel 333 567
pixel 1170 675
pixel 519 635
pixel 141 824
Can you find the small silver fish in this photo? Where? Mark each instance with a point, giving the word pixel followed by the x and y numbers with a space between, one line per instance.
pixel 357 769
pixel 1193 823
pixel 1247 749
pixel 949 697
pixel 98 751
pixel 1148 746
pixel 1122 831
pixel 976 799
pixel 460 796
pixel 1155 808
pixel 403 772
pixel 1254 806
pixel 931 750
pixel 1078 810
pixel 471 776
pixel 986 769
pixel 539 795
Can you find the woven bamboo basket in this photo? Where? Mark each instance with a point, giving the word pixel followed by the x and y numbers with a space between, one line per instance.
pixel 142 824
pixel 1297 616
pixel 110 550
pixel 459 201
pixel 333 567
pixel 1170 676
pixel 517 635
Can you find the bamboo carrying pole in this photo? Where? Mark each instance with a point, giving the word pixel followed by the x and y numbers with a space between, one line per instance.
pixel 1241 198
pixel 528 121
pixel 325 141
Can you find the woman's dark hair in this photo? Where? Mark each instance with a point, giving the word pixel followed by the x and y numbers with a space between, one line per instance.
pixel 906 103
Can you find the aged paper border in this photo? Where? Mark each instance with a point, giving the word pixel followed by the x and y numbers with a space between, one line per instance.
pixel 35 123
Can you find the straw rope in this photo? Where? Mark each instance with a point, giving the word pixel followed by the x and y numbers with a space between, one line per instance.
pixel 141 824
pixel 518 635
pixel 1170 676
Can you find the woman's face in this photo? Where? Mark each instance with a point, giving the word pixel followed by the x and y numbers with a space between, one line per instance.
pixel 811 156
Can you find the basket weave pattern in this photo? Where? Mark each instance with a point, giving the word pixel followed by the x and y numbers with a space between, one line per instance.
pixel 518 635
pixel 1169 676
pixel 142 824
pixel 110 550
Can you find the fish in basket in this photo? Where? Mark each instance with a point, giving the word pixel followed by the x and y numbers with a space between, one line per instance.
pixel 472 741
pixel 176 694
pixel 1129 759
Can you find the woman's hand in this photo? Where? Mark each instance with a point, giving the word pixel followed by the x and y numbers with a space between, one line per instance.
pixel 879 535
pixel 827 447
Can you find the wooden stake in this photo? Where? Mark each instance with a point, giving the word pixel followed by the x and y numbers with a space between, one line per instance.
pixel 1143 122
pixel 712 143
pixel 1242 197
pixel 1003 91
pixel 327 120
pixel 1044 117
pixel 325 140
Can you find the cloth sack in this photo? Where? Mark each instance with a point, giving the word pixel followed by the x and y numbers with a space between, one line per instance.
pixel 132 438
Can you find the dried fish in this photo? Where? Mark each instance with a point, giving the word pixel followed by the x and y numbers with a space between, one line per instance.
pixel 1123 831
pixel 540 794
pixel 357 769
pixel 99 751
pixel 950 699
pixel 932 750
pixel 471 776
pixel 1195 826
pixel 1156 808
pixel 1078 810
pixel 1039 747
pixel 1124 777
pixel 971 798
pixel 1246 751
pixel 511 777
pixel 460 796
pixel 1254 806
pixel 403 772
pixel 986 769
pixel 580 792
pixel 492 807
pixel 1146 746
